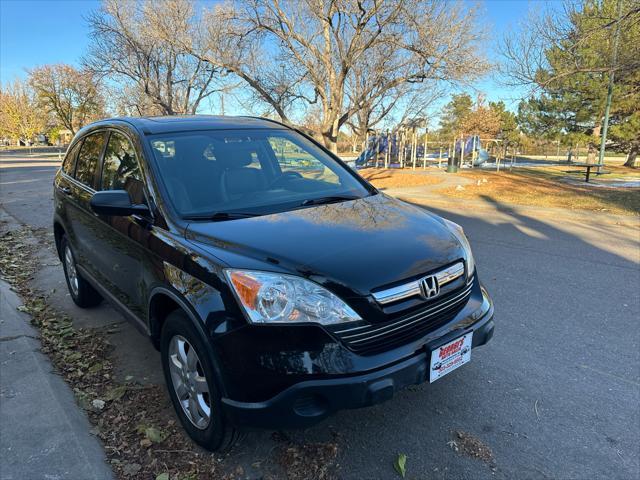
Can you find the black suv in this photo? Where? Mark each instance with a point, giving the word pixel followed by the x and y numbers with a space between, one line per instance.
pixel 278 285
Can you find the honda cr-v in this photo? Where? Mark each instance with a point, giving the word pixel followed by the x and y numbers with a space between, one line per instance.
pixel 278 285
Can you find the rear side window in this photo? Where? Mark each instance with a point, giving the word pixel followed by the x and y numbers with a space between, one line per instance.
pixel 88 158
pixel 120 170
pixel 69 164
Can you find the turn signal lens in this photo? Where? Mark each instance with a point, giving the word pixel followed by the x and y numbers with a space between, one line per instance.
pixel 246 288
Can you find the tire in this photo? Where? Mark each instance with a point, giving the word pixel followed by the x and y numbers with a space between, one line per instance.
pixel 82 293
pixel 178 341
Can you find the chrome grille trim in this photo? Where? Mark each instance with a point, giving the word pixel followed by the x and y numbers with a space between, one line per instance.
pixel 404 322
pixel 411 289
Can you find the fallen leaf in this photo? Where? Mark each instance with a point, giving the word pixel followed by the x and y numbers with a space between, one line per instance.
pixel 155 435
pixel 131 468
pixel 162 476
pixel 401 464
pixel 116 393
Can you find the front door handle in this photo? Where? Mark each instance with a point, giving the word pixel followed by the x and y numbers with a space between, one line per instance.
pixel 65 190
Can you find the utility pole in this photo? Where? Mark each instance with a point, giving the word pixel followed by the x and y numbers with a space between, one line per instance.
pixel 614 61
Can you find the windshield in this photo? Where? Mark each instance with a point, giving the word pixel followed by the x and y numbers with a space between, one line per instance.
pixel 209 173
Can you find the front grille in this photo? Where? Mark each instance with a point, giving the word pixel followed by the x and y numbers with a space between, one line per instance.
pixel 369 339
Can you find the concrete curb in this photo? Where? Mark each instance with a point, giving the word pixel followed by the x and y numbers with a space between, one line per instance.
pixel 44 432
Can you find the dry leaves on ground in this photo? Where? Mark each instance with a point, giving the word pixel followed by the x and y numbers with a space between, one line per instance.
pixel 394 178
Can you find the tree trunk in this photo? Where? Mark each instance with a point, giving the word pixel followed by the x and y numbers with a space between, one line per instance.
pixel 330 137
pixel 632 157
pixel 331 142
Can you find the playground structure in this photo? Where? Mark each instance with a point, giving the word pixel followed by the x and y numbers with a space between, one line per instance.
pixel 402 148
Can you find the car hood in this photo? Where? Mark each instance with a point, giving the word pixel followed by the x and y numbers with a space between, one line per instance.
pixel 351 247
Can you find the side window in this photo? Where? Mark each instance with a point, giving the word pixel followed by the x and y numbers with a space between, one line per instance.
pixel 120 170
pixel 88 158
pixel 293 158
pixel 69 164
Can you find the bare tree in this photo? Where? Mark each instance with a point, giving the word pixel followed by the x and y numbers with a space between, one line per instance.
pixel 399 107
pixel 70 95
pixel 130 101
pixel 318 44
pixel 157 77
pixel 20 118
pixel 408 100
pixel 550 46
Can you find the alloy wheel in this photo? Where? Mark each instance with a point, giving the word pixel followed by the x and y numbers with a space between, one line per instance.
pixel 189 382
pixel 70 267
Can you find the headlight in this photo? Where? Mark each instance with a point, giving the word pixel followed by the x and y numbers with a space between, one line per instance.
pixel 274 298
pixel 462 238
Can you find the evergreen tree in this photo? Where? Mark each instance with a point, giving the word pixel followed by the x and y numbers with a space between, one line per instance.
pixel 570 60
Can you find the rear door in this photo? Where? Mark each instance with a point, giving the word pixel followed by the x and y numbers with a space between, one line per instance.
pixel 63 188
pixel 81 221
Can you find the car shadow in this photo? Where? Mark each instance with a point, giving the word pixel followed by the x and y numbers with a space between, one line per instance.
pixel 566 300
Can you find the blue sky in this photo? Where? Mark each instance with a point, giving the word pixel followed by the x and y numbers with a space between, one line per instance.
pixel 35 32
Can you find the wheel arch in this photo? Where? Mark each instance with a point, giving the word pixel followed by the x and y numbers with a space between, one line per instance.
pixel 58 232
pixel 162 301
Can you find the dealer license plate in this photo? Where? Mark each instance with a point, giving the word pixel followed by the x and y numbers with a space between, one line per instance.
pixel 448 357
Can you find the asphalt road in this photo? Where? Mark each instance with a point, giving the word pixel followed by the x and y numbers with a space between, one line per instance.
pixel 555 394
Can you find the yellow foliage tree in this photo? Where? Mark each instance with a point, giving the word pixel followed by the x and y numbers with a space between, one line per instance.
pixel 483 121
pixel 20 118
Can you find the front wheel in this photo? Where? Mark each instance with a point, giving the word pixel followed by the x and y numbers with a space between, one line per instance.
pixel 191 381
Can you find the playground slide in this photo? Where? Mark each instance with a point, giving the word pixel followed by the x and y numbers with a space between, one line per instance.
pixel 472 144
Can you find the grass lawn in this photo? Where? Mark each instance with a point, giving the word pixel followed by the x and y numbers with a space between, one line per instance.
pixel 389 178
pixel 547 187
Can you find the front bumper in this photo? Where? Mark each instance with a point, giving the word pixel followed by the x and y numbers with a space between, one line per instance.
pixel 308 402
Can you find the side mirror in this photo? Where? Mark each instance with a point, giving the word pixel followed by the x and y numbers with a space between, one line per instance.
pixel 117 203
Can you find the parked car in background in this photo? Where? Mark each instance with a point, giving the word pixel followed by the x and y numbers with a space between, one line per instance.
pixel 278 285
pixel 40 139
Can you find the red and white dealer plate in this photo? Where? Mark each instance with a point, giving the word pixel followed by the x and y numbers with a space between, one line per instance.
pixel 448 357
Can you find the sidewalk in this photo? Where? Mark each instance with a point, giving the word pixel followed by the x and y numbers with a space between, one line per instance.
pixel 43 433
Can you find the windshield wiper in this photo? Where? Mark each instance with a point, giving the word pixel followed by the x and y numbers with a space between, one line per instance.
pixel 329 199
pixel 221 216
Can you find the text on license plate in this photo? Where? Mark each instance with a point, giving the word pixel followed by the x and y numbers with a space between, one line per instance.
pixel 450 356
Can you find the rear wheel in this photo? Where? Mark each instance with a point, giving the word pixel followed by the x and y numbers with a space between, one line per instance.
pixel 191 381
pixel 82 293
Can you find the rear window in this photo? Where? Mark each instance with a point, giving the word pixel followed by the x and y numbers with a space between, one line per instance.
pixel 69 164
pixel 88 159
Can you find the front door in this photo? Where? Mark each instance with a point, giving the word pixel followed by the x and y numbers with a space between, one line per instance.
pixel 121 239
